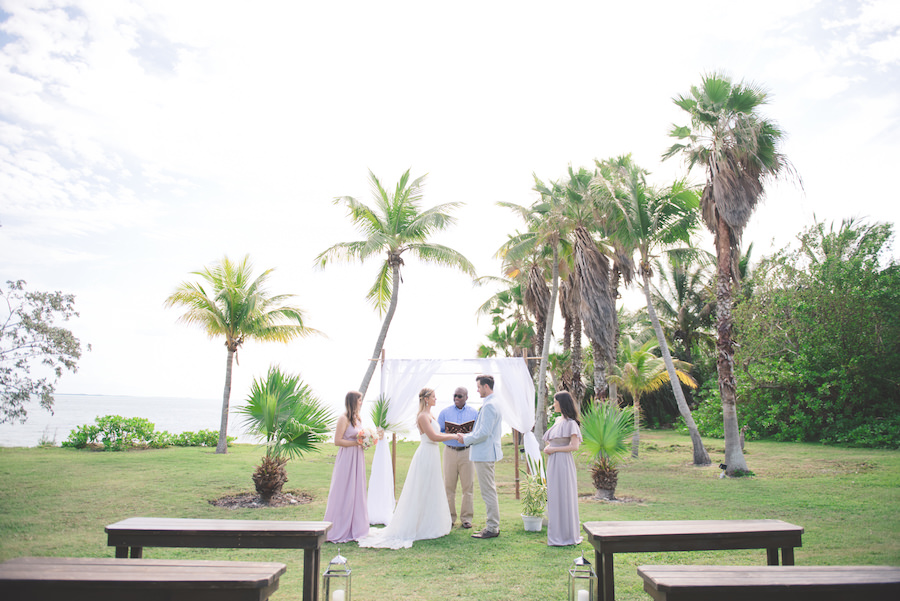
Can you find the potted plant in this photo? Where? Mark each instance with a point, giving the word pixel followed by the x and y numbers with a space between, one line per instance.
pixel 534 500
pixel 606 428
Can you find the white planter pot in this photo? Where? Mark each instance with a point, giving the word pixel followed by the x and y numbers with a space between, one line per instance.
pixel 532 523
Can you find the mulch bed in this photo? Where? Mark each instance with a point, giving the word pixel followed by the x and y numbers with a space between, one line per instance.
pixel 251 500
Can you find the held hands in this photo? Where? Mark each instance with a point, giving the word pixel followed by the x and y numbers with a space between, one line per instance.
pixel 459 438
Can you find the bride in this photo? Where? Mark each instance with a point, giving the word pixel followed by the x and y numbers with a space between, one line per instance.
pixel 422 511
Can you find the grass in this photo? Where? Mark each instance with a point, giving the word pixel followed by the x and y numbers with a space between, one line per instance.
pixel 56 502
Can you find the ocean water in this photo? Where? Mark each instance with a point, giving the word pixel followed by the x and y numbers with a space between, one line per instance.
pixel 72 410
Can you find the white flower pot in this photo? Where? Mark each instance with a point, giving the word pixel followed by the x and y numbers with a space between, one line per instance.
pixel 532 523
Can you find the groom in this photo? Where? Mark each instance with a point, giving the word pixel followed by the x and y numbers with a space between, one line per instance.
pixel 485 442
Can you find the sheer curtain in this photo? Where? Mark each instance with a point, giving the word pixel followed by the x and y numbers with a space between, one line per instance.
pixel 401 381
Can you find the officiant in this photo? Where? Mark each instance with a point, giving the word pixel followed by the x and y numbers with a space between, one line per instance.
pixel 459 417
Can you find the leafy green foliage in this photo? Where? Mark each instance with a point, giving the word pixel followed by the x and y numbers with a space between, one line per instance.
pixel 31 342
pixel 117 433
pixel 380 414
pixel 285 412
pixel 606 429
pixel 534 494
pixel 820 340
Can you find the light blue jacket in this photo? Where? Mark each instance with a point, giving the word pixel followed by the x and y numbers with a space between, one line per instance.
pixel 485 436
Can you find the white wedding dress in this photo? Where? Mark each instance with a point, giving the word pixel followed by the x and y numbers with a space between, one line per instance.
pixel 422 511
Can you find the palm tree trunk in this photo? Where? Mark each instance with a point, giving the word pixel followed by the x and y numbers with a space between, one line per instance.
pixel 734 456
pixel 222 445
pixel 636 438
pixel 701 457
pixel 540 414
pixel 600 382
pixel 379 344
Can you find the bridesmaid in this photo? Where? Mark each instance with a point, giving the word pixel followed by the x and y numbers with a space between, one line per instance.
pixel 563 525
pixel 346 509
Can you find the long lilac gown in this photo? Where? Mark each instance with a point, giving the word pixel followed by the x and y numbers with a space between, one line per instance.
pixel 347 510
pixel 563 524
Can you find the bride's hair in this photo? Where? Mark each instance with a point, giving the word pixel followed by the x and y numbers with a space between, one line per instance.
pixel 350 403
pixel 424 394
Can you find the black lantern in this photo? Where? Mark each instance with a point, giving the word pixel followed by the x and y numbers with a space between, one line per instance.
pixel 583 584
pixel 336 579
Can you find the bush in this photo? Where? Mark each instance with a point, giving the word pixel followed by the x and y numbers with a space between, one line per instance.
pixel 117 433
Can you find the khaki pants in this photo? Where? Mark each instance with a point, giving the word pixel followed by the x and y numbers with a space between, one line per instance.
pixel 485 471
pixel 458 467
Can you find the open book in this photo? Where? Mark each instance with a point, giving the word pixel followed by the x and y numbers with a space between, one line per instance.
pixel 454 428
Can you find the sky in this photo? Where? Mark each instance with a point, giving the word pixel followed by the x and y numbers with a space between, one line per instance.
pixel 143 140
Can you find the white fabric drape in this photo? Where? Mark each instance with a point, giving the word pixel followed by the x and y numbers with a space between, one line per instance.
pixel 401 381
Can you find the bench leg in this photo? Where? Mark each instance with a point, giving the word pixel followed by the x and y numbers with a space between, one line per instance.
pixel 787 556
pixel 137 552
pixel 311 565
pixel 605 583
pixel 121 552
pixel 772 556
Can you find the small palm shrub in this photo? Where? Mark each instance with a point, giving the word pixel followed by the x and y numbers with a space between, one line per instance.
pixel 606 428
pixel 283 411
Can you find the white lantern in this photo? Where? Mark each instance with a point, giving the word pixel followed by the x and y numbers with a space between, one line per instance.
pixel 583 583
pixel 336 580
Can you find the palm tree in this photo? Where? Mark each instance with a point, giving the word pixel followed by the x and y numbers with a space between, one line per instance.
pixel 606 428
pixel 739 149
pixel 393 225
pixel 684 301
pixel 546 236
pixel 238 307
pixel 285 412
pixel 649 221
pixel 641 372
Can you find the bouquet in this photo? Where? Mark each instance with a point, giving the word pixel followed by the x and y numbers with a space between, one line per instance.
pixel 366 438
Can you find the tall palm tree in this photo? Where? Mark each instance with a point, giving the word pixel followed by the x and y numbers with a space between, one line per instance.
pixel 543 243
pixel 684 301
pixel 285 412
pixel 640 372
pixel 651 221
pixel 238 307
pixel 393 225
pixel 739 149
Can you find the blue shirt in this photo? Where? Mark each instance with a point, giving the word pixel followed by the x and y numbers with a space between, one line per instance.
pixel 456 416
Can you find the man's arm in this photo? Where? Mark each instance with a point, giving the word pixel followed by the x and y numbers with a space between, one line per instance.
pixel 483 426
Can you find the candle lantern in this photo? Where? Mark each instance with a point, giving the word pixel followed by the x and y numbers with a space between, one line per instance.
pixel 336 580
pixel 583 584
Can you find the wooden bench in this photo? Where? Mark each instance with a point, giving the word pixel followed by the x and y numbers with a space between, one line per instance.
pixel 772 583
pixel 94 579
pixel 137 533
pixel 609 538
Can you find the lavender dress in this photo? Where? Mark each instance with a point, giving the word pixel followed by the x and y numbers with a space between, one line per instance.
pixel 563 524
pixel 347 510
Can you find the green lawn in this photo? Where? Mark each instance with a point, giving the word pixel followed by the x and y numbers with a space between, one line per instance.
pixel 57 501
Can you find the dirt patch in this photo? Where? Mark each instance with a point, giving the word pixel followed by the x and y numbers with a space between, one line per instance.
pixel 251 500
pixel 589 498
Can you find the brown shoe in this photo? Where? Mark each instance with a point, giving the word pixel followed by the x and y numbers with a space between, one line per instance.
pixel 466 525
pixel 486 534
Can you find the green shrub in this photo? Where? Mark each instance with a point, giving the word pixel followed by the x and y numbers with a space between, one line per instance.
pixel 117 433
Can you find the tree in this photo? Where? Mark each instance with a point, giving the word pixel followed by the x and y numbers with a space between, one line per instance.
pixel 238 307
pixel 393 225
pixel 640 372
pixel 284 411
pixel 651 221
pixel 820 339
pixel 31 342
pixel 739 149
pixel 684 302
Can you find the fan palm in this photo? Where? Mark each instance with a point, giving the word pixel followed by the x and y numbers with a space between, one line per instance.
pixel 285 412
pixel 238 307
pixel 739 149
pixel 640 372
pixel 393 225
pixel 649 221
pixel 606 428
